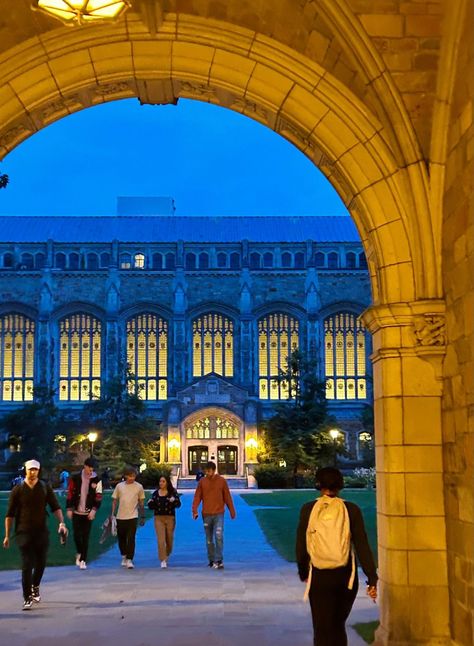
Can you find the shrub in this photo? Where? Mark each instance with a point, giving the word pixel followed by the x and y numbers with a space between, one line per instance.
pixel 150 477
pixel 367 475
pixel 271 476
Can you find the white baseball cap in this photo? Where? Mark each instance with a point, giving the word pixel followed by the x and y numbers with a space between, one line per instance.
pixel 32 464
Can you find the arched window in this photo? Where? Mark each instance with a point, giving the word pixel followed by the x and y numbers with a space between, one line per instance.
pixel 345 360
pixel 60 261
pixel 139 261
pixel 8 260
pixel 255 260
pixel 26 261
pixel 278 336
pixel 268 259
pixel 222 259
pixel 299 260
pixel 286 259
pixel 17 349
pixel 319 259
pixel 147 355
pixel 80 354
pixel 125 261
pixel 362 261
pixel 350 260
pixel 333 260
pixel 365 447
pixel 235 260
pixel 213 345
pixel 157 261
pixel 92 261
pixel 104 260
pixel 170 261
pixel 190 261
pixel 73 261
pixel 203 261
pixel 40 260
pixel 212 427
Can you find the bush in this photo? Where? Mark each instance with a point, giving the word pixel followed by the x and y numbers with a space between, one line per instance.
pixel 150 477
pixel 354 483
pixel 271 476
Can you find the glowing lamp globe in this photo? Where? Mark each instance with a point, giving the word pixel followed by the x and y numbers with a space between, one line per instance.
pixel 82 12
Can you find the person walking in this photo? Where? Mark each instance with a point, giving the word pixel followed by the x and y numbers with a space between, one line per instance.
pixel 213 492
pixel 64 481
pixel 330 530
pixel 27 505
pixel 129 495
pixel 164 502
pixel 84 497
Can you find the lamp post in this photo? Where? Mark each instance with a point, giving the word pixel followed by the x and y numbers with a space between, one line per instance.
pixel 334 433
pixel 92 437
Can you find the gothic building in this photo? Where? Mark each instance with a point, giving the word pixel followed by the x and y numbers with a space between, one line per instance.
pixel 205 311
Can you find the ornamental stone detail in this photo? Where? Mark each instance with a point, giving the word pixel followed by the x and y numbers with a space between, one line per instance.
pixel 429 330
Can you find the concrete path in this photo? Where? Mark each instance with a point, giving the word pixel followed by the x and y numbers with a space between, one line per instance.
pixel 256 600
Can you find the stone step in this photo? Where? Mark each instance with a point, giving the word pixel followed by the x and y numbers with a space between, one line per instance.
pixel 233 483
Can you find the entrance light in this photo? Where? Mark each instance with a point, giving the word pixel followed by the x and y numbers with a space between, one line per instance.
pixel 82 12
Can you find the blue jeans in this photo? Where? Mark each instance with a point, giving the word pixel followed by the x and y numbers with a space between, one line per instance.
pixel 214 528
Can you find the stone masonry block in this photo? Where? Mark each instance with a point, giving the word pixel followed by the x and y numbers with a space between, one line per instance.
pixel 425 495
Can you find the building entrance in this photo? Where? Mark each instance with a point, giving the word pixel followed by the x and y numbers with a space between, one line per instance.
pixel 227 460
pixel 197 458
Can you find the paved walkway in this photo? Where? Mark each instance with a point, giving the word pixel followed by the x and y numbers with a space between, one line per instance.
pixel 256 600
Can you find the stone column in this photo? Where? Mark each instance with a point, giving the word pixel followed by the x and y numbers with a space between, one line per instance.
pixel 408 342
pixel 44 352
pixel 245 357
pixel 113 351
pixel 180 345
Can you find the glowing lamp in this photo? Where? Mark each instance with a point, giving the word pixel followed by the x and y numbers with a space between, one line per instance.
pixel 82 12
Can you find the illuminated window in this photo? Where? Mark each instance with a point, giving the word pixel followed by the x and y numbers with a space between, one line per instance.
pixel 278 336
pixel 147 355
pixel 17 347
pixel 212 427
pixel 139 261
pixel 213 345
pixel 80 344
pixel 320 259
pixel 345 360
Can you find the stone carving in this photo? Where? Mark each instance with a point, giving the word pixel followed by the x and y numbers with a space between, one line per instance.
pixel 112 88
pixel 287 129
pixel 429 330
pixel 13 135
pixel 58 106
pixel 250 107
pixel 198 89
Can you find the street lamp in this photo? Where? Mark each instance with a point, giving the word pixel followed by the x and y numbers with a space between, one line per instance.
pixel 92 437
pixel 334 433
pixel 82 12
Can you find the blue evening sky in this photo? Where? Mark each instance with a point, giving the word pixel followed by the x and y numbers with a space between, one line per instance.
pixel 212 161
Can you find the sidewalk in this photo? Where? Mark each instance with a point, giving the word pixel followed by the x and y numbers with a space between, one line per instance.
pixel 256 600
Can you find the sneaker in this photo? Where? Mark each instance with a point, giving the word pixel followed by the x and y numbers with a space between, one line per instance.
pixel 28 604
pixel 82 565
pixel 124 561
pixel 210 564
pixel 164 564
pixel 130 565
pixel 78 560
pixel 35 593
pixel 218 565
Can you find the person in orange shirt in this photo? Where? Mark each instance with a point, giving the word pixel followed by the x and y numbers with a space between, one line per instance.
pixel 214 494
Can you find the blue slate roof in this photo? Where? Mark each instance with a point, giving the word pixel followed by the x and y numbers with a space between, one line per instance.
pixel 170 228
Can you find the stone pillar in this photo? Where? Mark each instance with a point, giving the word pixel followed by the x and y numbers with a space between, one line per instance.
pixel 408 342
pixel 113 350
pixel 246 359
pixel 44 352
pixel 180 358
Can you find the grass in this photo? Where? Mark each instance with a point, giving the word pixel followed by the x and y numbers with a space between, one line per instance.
pixel 279 524
pixel 367 631
pixel 60 554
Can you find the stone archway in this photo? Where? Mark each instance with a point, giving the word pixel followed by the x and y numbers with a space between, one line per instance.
pixel 319 73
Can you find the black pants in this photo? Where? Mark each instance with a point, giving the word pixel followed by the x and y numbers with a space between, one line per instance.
pixel 81 527
pixel 331 603
pixel 33 549
pixel 126 530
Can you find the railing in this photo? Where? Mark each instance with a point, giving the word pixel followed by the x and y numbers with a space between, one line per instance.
pixel 178 474
pixel 247 477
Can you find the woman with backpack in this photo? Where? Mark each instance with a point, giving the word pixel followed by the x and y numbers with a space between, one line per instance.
pixel 164 501
pixel 330 534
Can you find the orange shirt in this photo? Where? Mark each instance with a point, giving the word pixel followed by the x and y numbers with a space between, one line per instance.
pixel 214 494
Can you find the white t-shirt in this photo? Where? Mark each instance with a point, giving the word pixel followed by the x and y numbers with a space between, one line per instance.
pixel 128 496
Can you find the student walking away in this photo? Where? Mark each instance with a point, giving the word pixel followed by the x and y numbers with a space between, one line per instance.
pixel 330 534
pixel 27 505
pixel 83 500
pixel 129 496
pixel 213 492
pixel 64 481
pixel 164 501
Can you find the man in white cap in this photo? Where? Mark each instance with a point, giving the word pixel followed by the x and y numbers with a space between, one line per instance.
pixel 27 505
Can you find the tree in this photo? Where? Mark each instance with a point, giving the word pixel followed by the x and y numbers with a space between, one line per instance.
pixel 127 435
pixel 366 438
pixel 298 431
pixel 3 181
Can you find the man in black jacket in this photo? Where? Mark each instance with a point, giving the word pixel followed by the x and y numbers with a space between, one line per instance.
pixel 332 591
pixel 27 505
pixel 83 500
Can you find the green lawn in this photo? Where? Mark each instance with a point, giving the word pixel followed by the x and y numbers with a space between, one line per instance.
pixel 279 524
pixel 60 554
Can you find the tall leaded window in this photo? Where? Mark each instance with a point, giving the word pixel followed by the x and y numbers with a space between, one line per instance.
pixel 147 355
pixel 345 357
pixel 212 427
pixel 278 337
pixel 17 347
pixel 213 345
pixel 80 346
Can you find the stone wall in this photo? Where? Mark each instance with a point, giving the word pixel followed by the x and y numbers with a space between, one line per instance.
pixel 458 400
